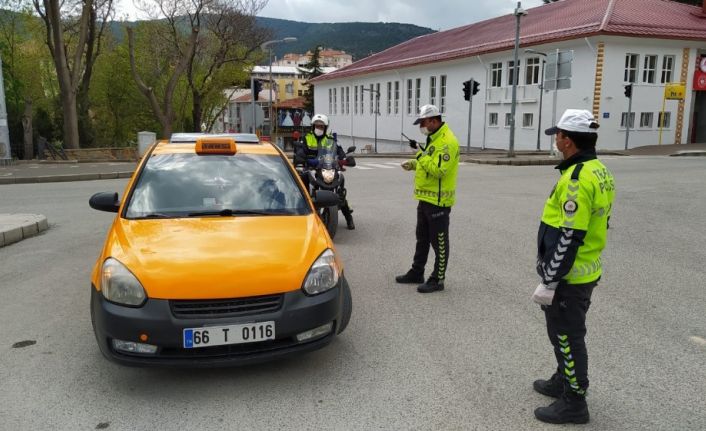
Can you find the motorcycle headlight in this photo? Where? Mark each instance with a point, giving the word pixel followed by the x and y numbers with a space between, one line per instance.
pixel 119 285
pixel 323 274
pixel 328 175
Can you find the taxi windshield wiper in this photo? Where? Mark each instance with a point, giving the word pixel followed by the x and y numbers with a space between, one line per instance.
pixel 227 212
pixel 155 215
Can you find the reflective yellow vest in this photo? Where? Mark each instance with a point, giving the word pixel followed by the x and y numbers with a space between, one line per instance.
pixel 436 169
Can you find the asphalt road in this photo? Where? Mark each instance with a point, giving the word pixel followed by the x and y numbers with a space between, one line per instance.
pixel 462 359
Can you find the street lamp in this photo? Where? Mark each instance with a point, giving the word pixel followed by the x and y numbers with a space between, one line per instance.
pixel 541 93
pixel 266 45
pixel 519 13
pixel 377 112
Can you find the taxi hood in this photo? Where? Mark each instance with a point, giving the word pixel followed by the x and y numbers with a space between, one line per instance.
pixel 218 257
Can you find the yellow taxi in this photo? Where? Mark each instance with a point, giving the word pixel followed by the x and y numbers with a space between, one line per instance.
pixel 216 257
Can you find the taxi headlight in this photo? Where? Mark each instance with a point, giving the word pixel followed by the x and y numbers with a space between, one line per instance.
pixel 119 285
pixel 323 274
pixel 328 175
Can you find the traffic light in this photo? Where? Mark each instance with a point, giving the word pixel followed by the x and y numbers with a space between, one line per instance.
pixel 257 88
pixel 476 84
pixel 467 90
pixel 628 91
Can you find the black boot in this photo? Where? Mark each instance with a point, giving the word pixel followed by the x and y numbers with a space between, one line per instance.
pixel 553 387
pixel 432 285
pixel 411 277
pixel 349 221
pixel 569 408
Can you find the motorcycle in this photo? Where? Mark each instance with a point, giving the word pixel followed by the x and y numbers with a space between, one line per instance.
pixel 325 173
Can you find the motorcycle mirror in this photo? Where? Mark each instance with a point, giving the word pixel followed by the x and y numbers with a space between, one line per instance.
pixel 350 149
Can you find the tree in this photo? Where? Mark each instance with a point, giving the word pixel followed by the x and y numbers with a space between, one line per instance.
pixel 73 41
pixel 230 39
pixel 311 70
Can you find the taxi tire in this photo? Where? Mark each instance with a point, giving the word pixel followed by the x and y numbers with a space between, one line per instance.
pixel 347 308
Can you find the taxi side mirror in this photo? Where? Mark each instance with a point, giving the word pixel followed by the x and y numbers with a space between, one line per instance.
pixel 325 198
pixel 105 201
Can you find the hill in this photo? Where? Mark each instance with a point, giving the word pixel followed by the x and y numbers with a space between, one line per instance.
pixel 360 39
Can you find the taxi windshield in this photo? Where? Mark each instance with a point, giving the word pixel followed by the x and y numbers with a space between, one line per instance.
pixel 191 185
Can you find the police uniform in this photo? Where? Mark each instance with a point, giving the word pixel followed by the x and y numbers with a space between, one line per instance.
pixel 435 168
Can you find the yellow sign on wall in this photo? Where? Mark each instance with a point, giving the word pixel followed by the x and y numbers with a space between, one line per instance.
pixel 674 91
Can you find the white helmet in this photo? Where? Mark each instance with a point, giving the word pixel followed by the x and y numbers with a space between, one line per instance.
pixel 321 118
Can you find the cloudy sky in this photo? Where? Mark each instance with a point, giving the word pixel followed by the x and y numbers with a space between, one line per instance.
pixel 437 15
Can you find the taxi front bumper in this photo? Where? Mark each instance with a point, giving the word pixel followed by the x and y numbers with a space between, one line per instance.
pixel 156 319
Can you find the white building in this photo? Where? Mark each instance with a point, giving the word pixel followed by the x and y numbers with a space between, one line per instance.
pixel 649 43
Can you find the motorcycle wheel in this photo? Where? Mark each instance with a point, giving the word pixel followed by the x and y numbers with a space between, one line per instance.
pixel 329 216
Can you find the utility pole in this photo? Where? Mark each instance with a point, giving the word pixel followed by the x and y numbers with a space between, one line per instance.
pixel 252 89
pixel 519 13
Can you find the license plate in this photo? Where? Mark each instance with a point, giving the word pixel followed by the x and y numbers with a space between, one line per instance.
pixel 231 334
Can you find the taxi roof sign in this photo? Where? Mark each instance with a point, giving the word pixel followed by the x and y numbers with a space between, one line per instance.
pixel 215 145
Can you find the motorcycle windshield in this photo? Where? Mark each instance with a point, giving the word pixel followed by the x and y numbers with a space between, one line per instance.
pixel 327 156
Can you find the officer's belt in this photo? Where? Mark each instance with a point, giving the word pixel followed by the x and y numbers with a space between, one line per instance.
pixel 428 193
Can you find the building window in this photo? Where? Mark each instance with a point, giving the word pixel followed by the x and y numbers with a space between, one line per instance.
pixel 532 71
pixel 624 120
pixel 508 119
pixel 348 100
pixel 335 103
pixel 417 93
pixel 527 120
pixel 372 104
pixel 649 71
pixel 397 97
pixel 493 119
pixel 289 88
pixel 667 69
pixel 343 101
pixel 496 75
pixel 389 98
pixel 646 120
pixel 442 108
pixel 432 90
pixel 377 99
pixel 330 99
pixel 300 93
pixel 664 120
pixel 511 72
pixel 409 97
pixel 631 67
pixel 355 100
pixel 362 101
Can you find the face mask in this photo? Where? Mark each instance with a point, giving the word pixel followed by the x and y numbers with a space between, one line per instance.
pixel 559 154
pixel 424 131
pixel 318 132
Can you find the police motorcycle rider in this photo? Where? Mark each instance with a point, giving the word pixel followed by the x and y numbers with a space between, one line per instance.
pixel 312 140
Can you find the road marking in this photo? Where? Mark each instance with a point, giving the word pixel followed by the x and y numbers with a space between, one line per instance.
pixel 375 165
pixel 698 340
pixel 363 168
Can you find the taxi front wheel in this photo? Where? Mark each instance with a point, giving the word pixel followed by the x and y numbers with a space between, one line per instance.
pixel 347 308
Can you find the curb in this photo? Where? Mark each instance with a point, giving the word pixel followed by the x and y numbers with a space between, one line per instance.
pixel 65 178
pixel 16 227
pixel 513 162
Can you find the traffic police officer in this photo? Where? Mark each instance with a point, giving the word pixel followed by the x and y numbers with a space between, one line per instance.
pixel 436 165
pixel 318 137
pixel 571 236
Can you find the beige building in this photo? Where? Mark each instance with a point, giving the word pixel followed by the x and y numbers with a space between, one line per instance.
pixel 328 58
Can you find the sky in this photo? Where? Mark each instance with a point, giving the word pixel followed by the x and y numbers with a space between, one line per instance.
pixel 437 15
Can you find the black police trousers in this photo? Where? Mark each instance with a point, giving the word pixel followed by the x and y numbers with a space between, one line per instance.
pixel 432 230
pixel 566 328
